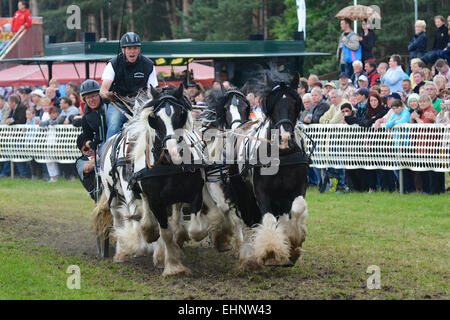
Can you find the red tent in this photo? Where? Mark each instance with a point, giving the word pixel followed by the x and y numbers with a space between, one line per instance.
pixel 33 75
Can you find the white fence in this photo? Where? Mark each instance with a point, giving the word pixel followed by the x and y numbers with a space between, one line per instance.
pixel 416 147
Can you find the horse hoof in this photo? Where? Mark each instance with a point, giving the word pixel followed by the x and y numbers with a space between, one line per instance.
pixel 275 263
pixel 176 271
pixel 224 248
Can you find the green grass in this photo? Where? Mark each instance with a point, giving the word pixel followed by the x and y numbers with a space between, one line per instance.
pixel 45 228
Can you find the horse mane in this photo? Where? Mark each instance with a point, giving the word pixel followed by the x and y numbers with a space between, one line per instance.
pixel 214 114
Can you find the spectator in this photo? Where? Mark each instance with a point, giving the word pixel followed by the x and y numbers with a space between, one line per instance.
pixel 216 85
pixel 312 80
pixel 433 182
pixel 354 100
pixel 24 94
pixel 374 111
pixel 67 111
pixel 50 92
pixel 382 69
pixel 5 110
pixel 345 85
pixel 31 117
pixel 419 79
pixel 406 86
pixel 377 89
pixel 402 96
pixel 416 65
pixel 372 75
pixel 357 72
pixel 72 88
pixel 443 68
pixel 432 91
pixel 36 96
pixel 441 40
pixel 413 103
pixel 226 85
pixel 329 86
pixel 319 107
pixel 426 74
pixel 385 90
pixel 303 87
pixel 85 167
pixel 394 75
pixel 45 105
pixel 418 45
pixel 363 82
pixel 308 104
pixel 348 42
pixel 361 95
pixel 18 111
pixel 53 83
pixel 444 116
pixel 440 82
pixel 400 114
pixel 367 40
pixel 334 114
pixel 22 18
pixel 53 118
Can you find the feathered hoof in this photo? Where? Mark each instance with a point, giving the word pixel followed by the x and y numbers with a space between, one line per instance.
pixel 224 247
pixel 120 258
pixel 248 264
pixel 222 242
pixel 181 237
pixel 175 270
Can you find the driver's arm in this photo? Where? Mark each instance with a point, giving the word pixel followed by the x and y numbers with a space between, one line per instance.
pixel 104 89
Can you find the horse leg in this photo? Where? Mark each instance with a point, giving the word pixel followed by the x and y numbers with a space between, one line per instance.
pixel 149 224
pixel 295 227
pixel 219 215
pixel 199 226
pixel 180 233
pixel 172 253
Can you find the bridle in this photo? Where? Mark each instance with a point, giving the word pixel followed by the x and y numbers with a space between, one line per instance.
pixel 234 94
pixel 273 97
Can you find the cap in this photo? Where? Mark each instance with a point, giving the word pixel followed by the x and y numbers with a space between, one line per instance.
pixel 394 95
pixel 343 74
pixel 38 92
pixel 363 92
pixel 331 84
pixel 362 78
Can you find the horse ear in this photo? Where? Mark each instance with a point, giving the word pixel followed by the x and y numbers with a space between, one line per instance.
pixel 154 92
pixel 268 82
pixel 222 88
pixel 295 81
pixel 179 93
pixel 245 88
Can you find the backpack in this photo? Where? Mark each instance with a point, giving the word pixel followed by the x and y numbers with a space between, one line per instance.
pixel 350 55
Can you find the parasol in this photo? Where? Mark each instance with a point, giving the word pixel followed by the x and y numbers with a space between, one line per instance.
pixel 358 12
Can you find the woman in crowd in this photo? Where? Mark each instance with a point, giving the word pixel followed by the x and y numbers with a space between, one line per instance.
pixel 367 41
pixel 432 182
pixel 418 45
pixel 394 75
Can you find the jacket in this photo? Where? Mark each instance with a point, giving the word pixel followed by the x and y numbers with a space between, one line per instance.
pixel 366 120
pixel 334 114
pixel 21 19
pixel 352 44
pixel 393 78
pixel 418 46
pixel 19 114
pixel 441 38
pixel 318 110
pixel 368 43
pixel 373 77
pixel 6 113
pixel 93 125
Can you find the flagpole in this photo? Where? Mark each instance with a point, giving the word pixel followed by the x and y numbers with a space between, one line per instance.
pixel 355 23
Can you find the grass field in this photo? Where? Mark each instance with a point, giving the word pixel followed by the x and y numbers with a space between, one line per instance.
pixel 45 228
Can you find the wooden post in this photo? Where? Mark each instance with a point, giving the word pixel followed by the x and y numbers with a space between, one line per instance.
pixel 401 182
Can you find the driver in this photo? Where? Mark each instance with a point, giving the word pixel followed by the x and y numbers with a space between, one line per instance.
pixel 125 75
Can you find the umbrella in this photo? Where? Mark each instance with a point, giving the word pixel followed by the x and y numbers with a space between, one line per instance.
pixel 358 12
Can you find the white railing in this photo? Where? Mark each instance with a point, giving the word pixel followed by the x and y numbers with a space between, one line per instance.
pixel 416 147
pixel 19 143
pixel 408 146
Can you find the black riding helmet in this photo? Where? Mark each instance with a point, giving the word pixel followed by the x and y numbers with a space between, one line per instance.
pixel 130 39
pixel 89 86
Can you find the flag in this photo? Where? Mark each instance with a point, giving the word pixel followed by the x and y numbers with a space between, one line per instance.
pixel 301 14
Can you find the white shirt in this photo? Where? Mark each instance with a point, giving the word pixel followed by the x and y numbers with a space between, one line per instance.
pixel 108 74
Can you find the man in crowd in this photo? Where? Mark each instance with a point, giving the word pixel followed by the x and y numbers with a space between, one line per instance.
pixel 385 90
pixel 406 85
pixel 372 75
pixel 312 80
pixel 432 91
pixel 419 80
pixel 67 111
pixel 85 167
pixel 382 69
pixel 363 82
pixel 345 86
pixel 443 68
pixel 357 72
pixel 361 94
pixel 334 114
pixel 50 92
pixel 24 94
pixel 350 40
pixel 308 104
pixel 440 40
pixel 18 111
pixel 319 108
pixel 125 75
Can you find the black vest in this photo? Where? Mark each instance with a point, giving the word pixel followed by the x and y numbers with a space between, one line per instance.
pixel 130 77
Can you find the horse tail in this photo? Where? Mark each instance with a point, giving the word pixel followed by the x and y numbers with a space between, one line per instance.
pixel 101 217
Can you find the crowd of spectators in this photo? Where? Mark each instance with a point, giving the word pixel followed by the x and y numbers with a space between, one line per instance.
pixel 44 106
pixel 371 94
